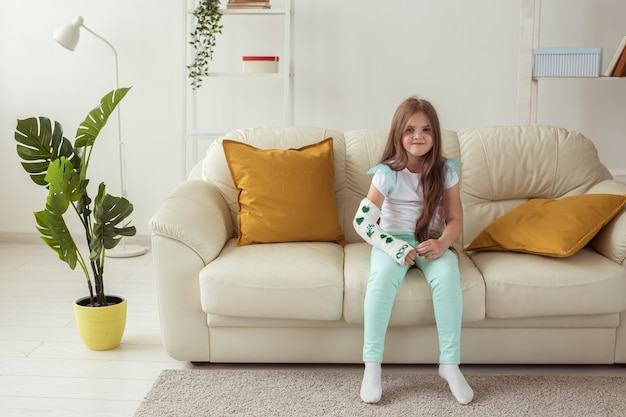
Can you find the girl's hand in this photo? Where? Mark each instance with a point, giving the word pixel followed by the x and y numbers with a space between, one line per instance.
pixel 409 259
pixel 430 249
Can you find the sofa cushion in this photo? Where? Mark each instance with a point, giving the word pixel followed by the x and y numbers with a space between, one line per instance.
pixel 413 305
pixel 556 228
pixel 297 280
pixel 522 285
pixel 215 168
pixel 284 195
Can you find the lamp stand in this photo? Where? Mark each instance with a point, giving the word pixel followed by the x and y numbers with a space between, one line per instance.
pixel 122 250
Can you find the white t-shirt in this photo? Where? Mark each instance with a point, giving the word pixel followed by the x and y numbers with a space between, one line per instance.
pixel 404 201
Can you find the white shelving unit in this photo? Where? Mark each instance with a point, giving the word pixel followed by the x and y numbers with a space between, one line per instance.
pixel 528 87
pixel 192 134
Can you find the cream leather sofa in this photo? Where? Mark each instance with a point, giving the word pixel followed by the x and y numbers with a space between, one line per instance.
pixel 302 302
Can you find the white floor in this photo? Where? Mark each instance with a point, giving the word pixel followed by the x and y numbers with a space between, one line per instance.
pixel 44 367
pixel 46 371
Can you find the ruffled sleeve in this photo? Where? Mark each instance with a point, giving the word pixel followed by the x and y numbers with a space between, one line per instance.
pixel 451 169
pixel 384 179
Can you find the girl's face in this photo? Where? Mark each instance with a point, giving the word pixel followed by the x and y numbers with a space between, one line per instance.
pixel 417 139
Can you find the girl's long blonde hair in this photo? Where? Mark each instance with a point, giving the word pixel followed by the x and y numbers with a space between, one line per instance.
pixel 396 158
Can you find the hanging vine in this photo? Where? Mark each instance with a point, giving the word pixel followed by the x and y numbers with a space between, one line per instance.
pixel 208 25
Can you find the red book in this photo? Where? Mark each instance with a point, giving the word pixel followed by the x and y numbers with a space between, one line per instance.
pixel 620 68
pixel 613 63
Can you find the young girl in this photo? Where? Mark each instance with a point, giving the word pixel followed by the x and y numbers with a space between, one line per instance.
pixel 400 218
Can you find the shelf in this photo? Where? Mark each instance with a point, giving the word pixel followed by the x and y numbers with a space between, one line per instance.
pixel 239 12
pixel 245 74
pixel 528 91
pixel 204 135
pixel 602 77
pixel 253 11
pixel 193 136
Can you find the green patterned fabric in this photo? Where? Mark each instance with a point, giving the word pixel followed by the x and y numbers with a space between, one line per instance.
pixel 366 225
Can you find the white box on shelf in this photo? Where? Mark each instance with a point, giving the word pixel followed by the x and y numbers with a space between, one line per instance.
pixel 567 62
pixel 260 64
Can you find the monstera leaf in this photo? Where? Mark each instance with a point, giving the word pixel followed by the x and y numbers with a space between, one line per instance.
pixel 57 236
pixel 39 144
pixel 64 186
pixel 89 129
pixel 108 213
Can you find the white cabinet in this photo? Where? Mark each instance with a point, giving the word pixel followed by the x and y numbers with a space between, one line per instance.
pixel 225 89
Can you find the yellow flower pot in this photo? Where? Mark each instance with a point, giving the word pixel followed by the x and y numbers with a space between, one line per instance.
pixel 101 328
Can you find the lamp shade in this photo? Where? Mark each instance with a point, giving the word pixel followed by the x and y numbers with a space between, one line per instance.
pixel 68 35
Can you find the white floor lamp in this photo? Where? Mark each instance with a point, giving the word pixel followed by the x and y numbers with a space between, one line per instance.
pixel 68 36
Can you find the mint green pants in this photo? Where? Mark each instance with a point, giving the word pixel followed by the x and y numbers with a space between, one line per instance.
pixel 386 275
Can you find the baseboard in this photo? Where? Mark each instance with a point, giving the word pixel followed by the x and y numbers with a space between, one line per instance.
pixel 33 238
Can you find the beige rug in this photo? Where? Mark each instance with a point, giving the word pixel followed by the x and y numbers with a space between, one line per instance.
pixel 293 393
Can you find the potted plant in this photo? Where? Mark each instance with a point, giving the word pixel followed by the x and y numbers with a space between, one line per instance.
pixel 208 16
pixel 53 162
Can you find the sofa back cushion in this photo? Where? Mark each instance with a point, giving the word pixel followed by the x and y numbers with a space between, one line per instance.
pixel 505 166
pixel 502 167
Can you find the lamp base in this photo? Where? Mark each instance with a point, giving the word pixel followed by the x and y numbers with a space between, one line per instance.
pixel 125 251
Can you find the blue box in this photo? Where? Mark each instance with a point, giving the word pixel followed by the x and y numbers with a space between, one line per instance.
pixel 567 62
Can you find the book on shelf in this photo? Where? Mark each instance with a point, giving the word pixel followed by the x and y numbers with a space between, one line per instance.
pixel 248 4
pixel 617 57
pixel 256 5
pixel 620 68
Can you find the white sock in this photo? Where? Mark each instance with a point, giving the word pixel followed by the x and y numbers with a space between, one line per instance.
pixel 458 385
pixel 371 387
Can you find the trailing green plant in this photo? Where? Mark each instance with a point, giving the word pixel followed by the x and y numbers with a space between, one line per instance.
pixel 207 26
pixel 53 162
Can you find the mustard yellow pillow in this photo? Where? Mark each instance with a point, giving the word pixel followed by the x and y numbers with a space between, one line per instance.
pixel 284 195
pixel 557 228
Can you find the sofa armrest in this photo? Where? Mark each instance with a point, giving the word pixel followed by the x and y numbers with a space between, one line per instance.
pixel 611 240
pixel 196 215
pixel 190 228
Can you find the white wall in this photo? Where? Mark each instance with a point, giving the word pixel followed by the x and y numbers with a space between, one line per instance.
pixel 355 61
pixel 594 107
pixel 38 77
